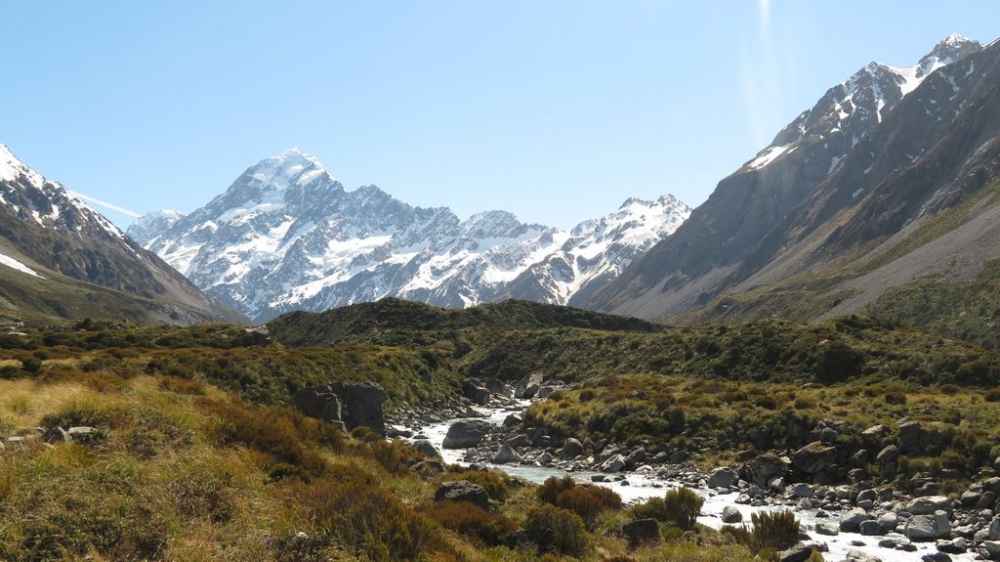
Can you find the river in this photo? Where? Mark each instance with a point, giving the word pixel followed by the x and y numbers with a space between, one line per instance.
pixel 641 487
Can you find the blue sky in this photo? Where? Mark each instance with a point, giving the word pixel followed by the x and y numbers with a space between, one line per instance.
pixel 555 110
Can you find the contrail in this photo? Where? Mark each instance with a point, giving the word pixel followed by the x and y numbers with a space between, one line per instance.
pixel 107 205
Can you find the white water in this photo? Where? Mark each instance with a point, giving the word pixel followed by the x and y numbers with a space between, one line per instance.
pixel 641 487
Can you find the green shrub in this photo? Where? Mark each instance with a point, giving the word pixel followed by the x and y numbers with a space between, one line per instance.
pixel 556 529
pixel 588 502
pixel 490 528
pixel 682 506
pixel 992 395
pixel 652 508
pixel 772 531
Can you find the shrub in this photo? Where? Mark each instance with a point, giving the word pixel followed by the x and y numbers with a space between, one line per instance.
pixel 588 502
pixel 682 506
pixel 652 508
pixel 556 529
pixel 31 364
pixel 993 395
pixel 371 521
pixel 773 531
pixel 490 528
pixel 268 430
pixel 895 397
pixel 549 491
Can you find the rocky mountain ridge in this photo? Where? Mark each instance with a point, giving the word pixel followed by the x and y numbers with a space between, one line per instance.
pixel 286 236
pixel 58 249
pixel 799 230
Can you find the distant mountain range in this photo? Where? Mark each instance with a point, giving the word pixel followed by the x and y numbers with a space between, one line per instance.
pixel 61 260
pixel 287 236
pixel 890 179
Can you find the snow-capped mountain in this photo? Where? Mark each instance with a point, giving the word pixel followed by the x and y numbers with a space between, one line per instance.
pixel 286 235
pixel 886 148
pixel 54 235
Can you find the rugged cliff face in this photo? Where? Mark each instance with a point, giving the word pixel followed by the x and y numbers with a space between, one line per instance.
pixel 880 153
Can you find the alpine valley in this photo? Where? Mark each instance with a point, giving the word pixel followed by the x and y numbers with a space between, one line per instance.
pixel 287 236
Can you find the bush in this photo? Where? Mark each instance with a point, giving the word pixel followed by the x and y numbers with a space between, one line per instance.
pixel 773 531
pixel 549 491
pixel 588 502
pixel 371 521
pixel 682 507
pixel 556 529
pixel 490 528
pixel 652 508
pixel 993 395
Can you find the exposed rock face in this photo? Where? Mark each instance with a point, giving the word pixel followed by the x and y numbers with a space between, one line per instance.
pixel 814 457
pixel 928 527
pixel 463 491
pixel 357 404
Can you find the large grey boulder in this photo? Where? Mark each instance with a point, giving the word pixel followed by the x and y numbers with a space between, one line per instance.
pixel 355 404
pixel 851 521
pixel 723 477
pixel 814 457
pixel 641 530
pixel 465 433
pixel 527 387
pixel 506 455
pixel 731 514
pixel 572 448
pixel 928 505
pixel 616 463
pixel 463 491
pixel 928 527
pixel 426 448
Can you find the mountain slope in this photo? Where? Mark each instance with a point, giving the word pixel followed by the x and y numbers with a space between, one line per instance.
pixel 70 256
pixel 287 236
pixel 839 188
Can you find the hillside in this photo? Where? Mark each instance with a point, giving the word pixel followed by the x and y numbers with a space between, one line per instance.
pixel 64 262
pixel 887 180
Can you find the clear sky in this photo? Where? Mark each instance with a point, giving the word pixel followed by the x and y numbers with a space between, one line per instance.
pixel 555 110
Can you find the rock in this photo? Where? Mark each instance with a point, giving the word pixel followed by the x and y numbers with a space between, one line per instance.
pixel 88 436
pixel 463 491
pixel 990 550
pixel 888 522
pixel 639 531
pixel 55 435
pixel 935 557
pixel 798 553
pixel 428 467
pixel 851 521
pixel 678 457
pixel 392 432
pixel 928 527
pixel 635 458
pixel 546 389
pixel 465 433
pixel 767 467
pixel 870 528
pixel 478 394
pixel 512 420
pixel 814 457
pixel 890 454
pixel 506 455
pixel 858 556
pixel 355 404
pixel 723 477
pixel 614 464
pixel 802 490
pixel 827 529
pixel 426 448
pixel 873 436
pixel 954 546
pixel 526 388
pixel 730 514
pixel 545 459
pixel 572 448
pixel 928 505
pixel 319 402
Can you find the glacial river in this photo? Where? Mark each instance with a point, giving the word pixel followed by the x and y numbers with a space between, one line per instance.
pixel 641 487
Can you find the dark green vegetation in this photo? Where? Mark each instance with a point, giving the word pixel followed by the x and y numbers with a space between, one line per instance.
pixel 198 453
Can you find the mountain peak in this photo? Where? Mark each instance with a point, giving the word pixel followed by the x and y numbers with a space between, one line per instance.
pixel 291 167
pixel 12 168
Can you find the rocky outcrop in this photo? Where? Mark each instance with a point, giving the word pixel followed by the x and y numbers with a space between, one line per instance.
pixel 350 405
pixel 465 433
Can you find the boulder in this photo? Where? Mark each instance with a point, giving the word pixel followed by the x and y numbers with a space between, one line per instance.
pixel 465 433
pixel 928 505
pixel 635 458
pixel 54 435
pixel 639 531
pixel 512 420
pixel 319 402
pixel 527 387
pixel 723 477
pixel 766 468
pixel 354 404
pixel 614 464
pixel 475 392
pixel 730 514
pixel 994 529
pixel 506 455
pixel 572 448
pixel 851 521
pixel 935 557
pixel 828 529
pixel 954 546
pixel 426 448
pixel 874 436
pixel 888 522
pixel 798 553
pixel 870 528
pixel 990 550
pixel 928 527
pixel 814 457
pixel 463 491
pixel 88 436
